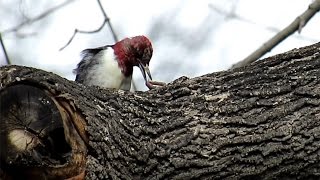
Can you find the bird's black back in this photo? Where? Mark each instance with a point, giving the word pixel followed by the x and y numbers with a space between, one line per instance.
pixel 88 60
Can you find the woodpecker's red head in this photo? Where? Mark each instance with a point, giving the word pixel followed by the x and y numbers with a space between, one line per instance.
pixel 135 51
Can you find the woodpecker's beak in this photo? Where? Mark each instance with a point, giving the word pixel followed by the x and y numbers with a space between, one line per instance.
pixel 145 69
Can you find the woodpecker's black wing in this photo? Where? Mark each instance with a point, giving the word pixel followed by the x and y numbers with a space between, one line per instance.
pixel 87 62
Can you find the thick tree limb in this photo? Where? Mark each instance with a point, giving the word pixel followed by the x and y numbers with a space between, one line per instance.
pixel 296 25
pixel 257 122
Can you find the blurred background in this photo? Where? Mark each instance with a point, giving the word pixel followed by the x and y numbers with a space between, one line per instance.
pixel 190 38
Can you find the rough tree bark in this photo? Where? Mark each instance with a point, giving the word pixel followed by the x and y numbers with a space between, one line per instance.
pixel 261 121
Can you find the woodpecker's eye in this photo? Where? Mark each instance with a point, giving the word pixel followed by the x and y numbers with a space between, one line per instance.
pixel 146 56
pixel 143 55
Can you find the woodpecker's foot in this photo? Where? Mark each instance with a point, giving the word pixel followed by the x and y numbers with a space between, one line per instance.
pixel 153 84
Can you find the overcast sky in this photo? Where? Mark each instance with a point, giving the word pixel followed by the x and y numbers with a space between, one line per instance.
pixel 190 38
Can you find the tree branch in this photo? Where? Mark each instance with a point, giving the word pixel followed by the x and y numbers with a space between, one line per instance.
pixel 296 25
pixel 4 50
pixel 247 123
pixel 232 15
pixel 114 35
pixel 37 18
pixel 105 21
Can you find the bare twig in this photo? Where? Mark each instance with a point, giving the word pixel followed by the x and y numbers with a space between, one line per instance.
pixel 108 21
pixel 105 21
pixel 81 31
pixel 297 24
pixel 232 15
pixel 28 21
pixel 22 35
pixel 4 51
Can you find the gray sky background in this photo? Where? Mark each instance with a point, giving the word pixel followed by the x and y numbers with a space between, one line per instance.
pixel 190 38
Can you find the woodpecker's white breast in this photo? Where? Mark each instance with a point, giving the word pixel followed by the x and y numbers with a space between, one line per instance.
pixel 107 72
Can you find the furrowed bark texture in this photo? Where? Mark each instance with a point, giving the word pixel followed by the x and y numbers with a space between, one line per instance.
pixel 256 122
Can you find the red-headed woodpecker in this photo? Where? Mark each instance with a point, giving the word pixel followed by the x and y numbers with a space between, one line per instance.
pixel 111 66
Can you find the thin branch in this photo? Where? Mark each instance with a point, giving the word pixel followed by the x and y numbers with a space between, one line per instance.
pixel 83 32
pixel 21 10
pixel 22 35
pixel 105 21
pixel 233 15
pixel 296 25
pixel 108 21
pixel 37 18
pixel 4 51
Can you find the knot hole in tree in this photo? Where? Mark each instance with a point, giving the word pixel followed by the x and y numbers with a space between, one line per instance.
pixel 37 137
